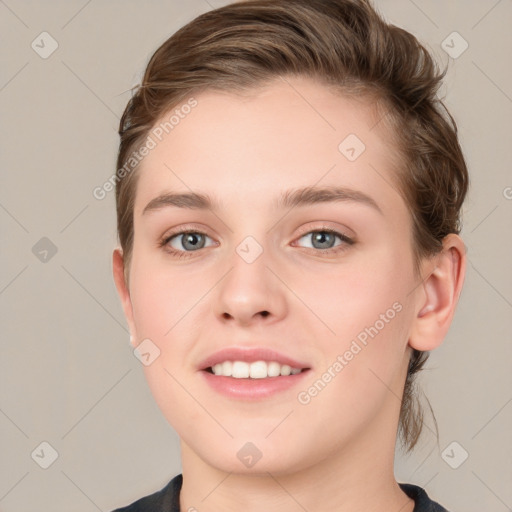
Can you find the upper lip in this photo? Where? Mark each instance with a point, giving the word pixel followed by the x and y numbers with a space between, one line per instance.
pixel 249 355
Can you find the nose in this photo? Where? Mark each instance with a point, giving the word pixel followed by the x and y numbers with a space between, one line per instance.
pixel 250 293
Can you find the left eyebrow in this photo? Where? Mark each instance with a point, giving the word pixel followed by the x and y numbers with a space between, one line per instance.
pixel 313 195
pixel 289 199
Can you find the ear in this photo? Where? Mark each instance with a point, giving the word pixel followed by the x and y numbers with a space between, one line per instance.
pixel 124 293
pixel 438 295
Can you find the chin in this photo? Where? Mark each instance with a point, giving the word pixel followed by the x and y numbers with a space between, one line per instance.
pixel 252 457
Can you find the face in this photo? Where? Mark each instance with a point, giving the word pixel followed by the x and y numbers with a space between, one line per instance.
pixel 322 278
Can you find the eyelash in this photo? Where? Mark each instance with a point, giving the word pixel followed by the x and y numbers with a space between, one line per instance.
pixel 322 229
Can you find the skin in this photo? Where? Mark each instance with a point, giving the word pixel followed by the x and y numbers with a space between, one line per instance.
pixel 245 151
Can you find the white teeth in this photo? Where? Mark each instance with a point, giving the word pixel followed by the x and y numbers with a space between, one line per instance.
pixel 240 370
pixel 273 369
pixel 286 370
pixel 255 370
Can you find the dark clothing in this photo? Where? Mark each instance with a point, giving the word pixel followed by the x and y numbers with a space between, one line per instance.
pixel 168 499
pixel 422 503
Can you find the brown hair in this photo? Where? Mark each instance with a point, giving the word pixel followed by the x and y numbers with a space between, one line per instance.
pixel 341 43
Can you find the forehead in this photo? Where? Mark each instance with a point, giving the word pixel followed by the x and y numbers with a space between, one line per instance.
pixel 288 133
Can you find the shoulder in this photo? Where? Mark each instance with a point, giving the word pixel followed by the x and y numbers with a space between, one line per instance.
pixel 164 500
pixel 422 503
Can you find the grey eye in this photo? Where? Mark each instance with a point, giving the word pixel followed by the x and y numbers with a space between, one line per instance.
pixel 190 241
pixel 321 239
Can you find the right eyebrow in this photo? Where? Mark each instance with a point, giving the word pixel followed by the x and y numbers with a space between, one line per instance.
pixel 191 200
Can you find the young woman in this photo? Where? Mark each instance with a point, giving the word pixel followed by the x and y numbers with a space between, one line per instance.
pixel 288 198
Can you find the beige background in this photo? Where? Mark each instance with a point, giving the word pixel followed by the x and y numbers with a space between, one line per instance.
pixel 68 376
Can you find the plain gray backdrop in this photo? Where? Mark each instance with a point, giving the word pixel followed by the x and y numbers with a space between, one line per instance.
pixel 68 376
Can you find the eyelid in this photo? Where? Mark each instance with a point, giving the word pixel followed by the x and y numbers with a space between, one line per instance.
pixel 187 228
pixel 305 230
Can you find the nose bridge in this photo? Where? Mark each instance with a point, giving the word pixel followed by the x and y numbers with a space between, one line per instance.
pixel 250 290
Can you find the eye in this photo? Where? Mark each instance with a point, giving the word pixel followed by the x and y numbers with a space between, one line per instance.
pixel 182 243
pixel 325 239
pixel 185 241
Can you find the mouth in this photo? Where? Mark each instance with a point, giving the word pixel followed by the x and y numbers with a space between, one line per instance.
pixel 254 381
pixel 253 370
pixel 252 373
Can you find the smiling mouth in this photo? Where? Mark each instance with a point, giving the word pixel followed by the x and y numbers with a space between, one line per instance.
pixel 254 370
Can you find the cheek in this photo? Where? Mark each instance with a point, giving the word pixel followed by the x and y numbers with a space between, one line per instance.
pixel 163 308
pixel 352 295
pixel 161 298
pixel 365 307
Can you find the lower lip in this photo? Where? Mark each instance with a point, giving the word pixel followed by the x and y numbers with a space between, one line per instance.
pixel 252 389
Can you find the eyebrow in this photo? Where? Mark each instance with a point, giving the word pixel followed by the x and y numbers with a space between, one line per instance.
pixel 289 199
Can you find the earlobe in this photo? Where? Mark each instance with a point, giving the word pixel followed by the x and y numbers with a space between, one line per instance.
pixel 438 296
pixel 122 290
